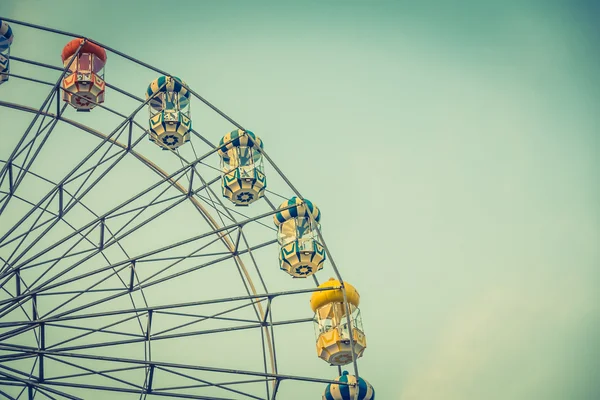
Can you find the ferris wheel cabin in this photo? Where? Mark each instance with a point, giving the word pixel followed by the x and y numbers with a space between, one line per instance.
pixel 6 39
pixel 170 117
pixel 334 343
pixel 300 252
pixel 243 180
pixel 83 86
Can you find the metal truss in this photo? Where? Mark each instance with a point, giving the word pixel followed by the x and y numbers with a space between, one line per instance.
pixel 77 287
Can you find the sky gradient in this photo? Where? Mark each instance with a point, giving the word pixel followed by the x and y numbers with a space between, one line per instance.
pixel 453 151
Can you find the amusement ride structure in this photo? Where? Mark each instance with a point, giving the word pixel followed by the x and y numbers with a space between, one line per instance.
pixel 137 258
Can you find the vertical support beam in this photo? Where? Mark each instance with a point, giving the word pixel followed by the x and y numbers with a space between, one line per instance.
pixel 130 135
pixel 11 182
pixel 262 335
pixel 34 307
pixel 132 275
pixel 191 186
pixel 149 326
pixel 151 372
pixel 60 201
pixel 42 347
pixel 102 224
pixel 267 310
pixel 30 392
pixel 272 337
pixel 150 378
pixel 237 240
pixel 42 337
pixel 58 99
pixel 18 281
pixel 273 350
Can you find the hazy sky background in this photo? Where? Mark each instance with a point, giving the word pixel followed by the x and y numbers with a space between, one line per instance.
pixel 453 150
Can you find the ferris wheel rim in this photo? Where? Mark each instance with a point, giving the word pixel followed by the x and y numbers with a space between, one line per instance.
pixel 148 163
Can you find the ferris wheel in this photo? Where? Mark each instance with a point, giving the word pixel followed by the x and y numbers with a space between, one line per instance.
pixel 140 259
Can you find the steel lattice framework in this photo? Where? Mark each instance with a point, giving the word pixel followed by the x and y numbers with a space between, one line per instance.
pixel 112 285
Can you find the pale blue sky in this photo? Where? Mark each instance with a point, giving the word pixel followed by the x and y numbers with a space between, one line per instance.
pixel 454 152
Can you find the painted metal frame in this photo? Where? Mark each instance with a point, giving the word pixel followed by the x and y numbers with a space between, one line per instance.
pixel 122 141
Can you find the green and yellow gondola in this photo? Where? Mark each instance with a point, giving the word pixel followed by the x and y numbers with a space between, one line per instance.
pixel 170 118
pixel 243 180
pixel 301 254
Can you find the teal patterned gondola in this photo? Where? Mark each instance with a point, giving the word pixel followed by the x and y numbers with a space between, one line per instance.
pixel 6 39
pixel 361 391
pixel 243 181
pixel 300 253
pixel 170 121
